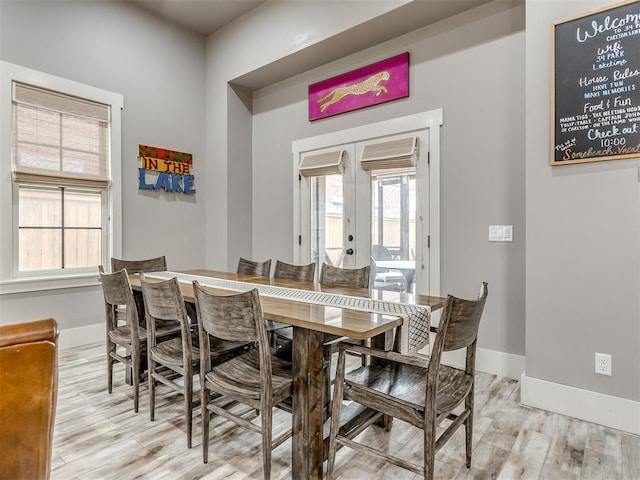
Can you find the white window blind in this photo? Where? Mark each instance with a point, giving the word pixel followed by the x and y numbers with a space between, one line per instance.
pixel 396 155
pixel 320 164
pixel 59 139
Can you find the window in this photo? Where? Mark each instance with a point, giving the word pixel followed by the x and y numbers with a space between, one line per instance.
pixel 64 175
pixel 59 228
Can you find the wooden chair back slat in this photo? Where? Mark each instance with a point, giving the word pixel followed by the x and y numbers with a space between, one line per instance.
pixel 157 264
pixel 257 269
pixel 303 273
pixel 464 320
pixel 160 299
pixel 117 293
pixel 230 317
pixel 345 277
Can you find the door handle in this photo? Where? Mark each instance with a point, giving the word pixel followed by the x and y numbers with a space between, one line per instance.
pixel 349 251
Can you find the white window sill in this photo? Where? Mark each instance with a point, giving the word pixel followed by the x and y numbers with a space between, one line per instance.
pixel 36 284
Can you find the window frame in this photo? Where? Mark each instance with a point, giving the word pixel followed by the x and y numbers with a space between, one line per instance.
pixel 12 281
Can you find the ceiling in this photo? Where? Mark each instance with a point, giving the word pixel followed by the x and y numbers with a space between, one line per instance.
pixel 201 16
pixel 208 16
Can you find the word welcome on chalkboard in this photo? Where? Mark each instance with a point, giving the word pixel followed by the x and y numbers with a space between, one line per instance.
pixel 596 72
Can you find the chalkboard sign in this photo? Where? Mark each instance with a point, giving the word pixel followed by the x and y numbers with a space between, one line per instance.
pixel 596 104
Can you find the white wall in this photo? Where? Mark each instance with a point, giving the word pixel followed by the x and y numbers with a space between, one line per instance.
pixel 583 245
pixel 159 69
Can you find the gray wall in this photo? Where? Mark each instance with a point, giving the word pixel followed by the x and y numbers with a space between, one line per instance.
pixel 583 242
pixel 238 232
pixel 159 69
pixel 474 70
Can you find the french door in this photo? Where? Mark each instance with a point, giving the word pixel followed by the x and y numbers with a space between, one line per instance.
pixel 365 203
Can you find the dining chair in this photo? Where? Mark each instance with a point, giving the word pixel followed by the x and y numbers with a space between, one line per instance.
pixel 385 279
pixel 163 300
pixel 420 391
pixel 257 269
pixel 256 379
pixel 281 331
pixel 28 396
pixel 117 293
pixel 260 269
pixel 342 277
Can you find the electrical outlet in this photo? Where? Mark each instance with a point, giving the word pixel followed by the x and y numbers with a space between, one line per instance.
pixel 603 364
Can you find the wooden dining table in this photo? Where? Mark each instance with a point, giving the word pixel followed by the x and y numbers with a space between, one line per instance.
pixel 310 322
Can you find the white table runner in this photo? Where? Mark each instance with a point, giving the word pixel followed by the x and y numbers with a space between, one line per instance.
pixel 416 319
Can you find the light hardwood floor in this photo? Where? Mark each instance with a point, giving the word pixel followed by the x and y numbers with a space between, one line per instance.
pixel 98 436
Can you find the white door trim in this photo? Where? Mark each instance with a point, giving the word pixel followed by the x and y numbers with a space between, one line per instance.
pixel 431 120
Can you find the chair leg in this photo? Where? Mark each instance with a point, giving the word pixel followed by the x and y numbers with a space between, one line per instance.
pixel 335 413
pixel 429 447
pixel 469 427
pixel 267 426
pixel 111 347
pixel 327 388
pixel 206 415
pixel 152 389
pixel 135 376
pixel 188 403
pixel 326 369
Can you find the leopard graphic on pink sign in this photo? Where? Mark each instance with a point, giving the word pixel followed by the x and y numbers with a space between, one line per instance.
pixel 371 85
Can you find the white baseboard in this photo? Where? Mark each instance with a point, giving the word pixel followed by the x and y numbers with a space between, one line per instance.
pixel 76 337
pixel 614 412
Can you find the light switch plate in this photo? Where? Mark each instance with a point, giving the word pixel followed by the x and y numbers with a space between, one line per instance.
pixel 501 233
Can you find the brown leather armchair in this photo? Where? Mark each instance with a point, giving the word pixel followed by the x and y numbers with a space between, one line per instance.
pixel 28 395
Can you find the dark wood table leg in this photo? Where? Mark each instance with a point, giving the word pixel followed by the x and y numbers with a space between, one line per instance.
pixel 307 442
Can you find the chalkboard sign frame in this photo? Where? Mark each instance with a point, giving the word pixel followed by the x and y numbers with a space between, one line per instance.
pixel 584 136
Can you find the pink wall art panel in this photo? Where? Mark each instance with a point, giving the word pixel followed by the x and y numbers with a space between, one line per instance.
pixel 376 83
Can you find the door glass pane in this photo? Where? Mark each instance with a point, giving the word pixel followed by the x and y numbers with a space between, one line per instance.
pixel 393 235
pixel 327 220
